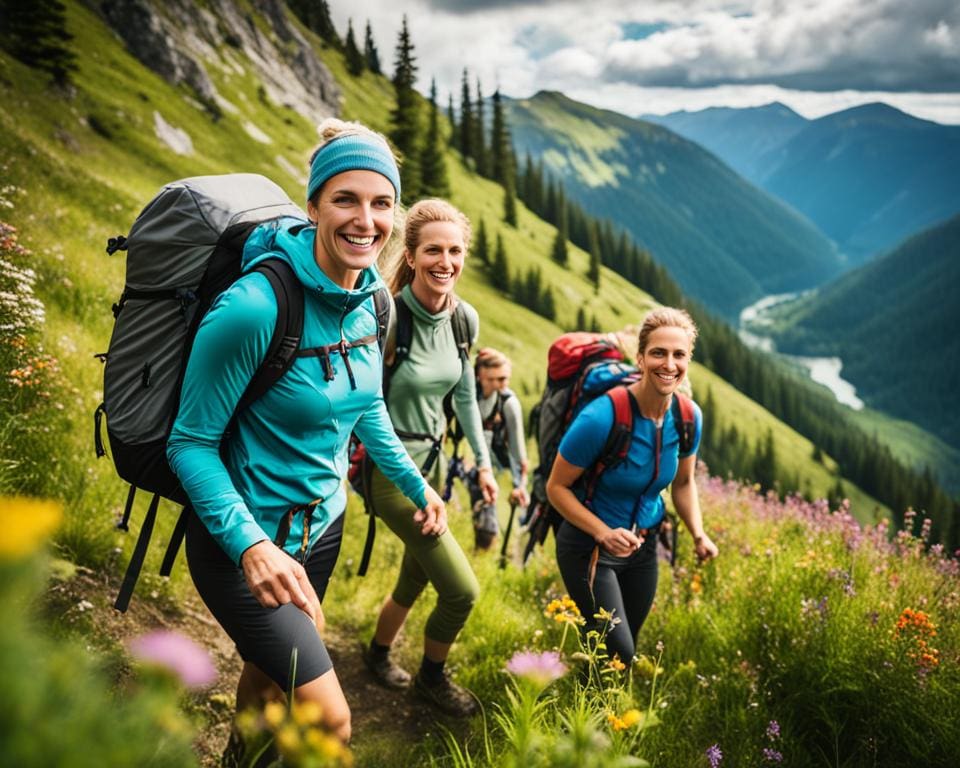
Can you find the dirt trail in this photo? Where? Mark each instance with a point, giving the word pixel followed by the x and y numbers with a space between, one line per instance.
pixel 378 713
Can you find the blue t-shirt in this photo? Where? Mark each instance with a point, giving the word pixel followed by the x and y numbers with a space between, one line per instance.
pixel 617 498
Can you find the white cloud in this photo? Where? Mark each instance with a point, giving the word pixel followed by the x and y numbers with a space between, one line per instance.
pixel 810 53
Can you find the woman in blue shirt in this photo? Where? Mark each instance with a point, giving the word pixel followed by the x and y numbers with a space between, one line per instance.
pixel 607 544
pixel 269 500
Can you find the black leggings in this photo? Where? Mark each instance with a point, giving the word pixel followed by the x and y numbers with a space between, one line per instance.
pixel 264 636
pixel 624 586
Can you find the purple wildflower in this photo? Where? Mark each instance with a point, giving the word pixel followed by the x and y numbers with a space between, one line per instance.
pixel 540 668
pixel 179 654
pixel 773 730
pixel 714 755
pixel 772 755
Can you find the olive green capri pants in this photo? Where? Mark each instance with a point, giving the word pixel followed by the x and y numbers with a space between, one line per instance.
pixel 438 560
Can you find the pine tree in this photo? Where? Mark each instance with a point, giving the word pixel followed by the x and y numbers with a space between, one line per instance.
pixel 499 143
pixel 370 53
pixel 466 118
pixel 500 272
pixel 548 306
pixel 482 247
pixel 559 251
pixel 581 322
pixel 355 60
pixel 35 33
pixel 315 15
pixel 405 116
pixel 510 201
pixel 452 118
pixel 433 168
pixel 479 136
pixel 593 270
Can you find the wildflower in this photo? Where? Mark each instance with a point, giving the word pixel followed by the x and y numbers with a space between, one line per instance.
pixel 615 664
pixel 714 755
pixel 25 524
pixel 772 755
pixel 274 713
pixel 647 668
pixel 178 654
pixel 627 720
pixel 539 668
pixel 773 730
pixel 564 611
pixel 607 617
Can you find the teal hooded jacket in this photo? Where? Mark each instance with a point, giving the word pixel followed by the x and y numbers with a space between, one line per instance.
pixel 290 446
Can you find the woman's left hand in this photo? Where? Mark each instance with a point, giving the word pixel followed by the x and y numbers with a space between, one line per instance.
pixel 433 517
pixel 488 485
pixel 705 548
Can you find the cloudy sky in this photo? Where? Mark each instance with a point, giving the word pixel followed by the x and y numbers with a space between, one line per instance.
pixel 658 56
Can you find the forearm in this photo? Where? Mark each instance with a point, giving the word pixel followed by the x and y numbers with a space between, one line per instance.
pixel 376 432
pixel 686 501
pixel 565 501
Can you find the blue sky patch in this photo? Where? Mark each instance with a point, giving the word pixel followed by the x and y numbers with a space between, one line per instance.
pixel 633 30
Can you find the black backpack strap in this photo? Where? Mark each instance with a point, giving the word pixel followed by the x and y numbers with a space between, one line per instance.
pixel 461 332
pixel 402 340
pixel 381 308
pixel 136 560
pixel 684 419
pixel 176 539
pixel 617 446
pixel 282 350
pixel 366 475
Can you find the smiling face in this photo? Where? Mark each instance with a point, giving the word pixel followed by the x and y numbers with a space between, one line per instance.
pixel 436 263
pixel 665 359
pixel 354 216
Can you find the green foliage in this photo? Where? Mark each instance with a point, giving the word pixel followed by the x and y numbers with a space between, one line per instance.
pixel 593 271
pixel 356 62
pixel 481 246
pixel 370 54
pixel 315 16
pixel 405 116
pixel 433 166
pixel 500 269
pixel 36 33
pixel 62 704
pixel 467 129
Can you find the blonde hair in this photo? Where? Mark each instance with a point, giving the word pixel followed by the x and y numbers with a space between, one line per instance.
pixel 666 317
pixel 398 272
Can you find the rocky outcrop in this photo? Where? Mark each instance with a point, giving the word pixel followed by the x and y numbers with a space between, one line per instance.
pixel 180 40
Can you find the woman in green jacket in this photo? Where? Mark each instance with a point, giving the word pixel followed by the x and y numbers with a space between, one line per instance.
pixel 436 239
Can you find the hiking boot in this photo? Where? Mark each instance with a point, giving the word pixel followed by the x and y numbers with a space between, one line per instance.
pixel 386 671
pixel 447 696
pixel 483 540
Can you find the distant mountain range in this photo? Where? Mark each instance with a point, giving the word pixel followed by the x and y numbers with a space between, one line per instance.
pixel 724 240
pixel 893 323
pixel 869 176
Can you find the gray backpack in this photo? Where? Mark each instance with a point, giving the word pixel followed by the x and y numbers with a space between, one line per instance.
pixel 183 250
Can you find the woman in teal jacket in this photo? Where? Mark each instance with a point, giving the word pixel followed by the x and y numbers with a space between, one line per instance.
pixel 269 499
pixel 436 238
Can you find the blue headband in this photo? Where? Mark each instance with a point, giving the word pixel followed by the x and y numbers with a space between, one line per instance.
pixel 352 152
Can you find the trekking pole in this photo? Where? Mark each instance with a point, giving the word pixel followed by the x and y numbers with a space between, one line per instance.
pixel 506 535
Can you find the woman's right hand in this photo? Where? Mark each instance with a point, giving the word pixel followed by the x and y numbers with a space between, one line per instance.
pixel 619 542
pixel 276 579
pixel 433 517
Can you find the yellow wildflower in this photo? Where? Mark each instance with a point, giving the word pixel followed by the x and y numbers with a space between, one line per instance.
pixel 288 740
pixel 631 717
pixel 306 713
pixel 615 722
pixel 274 714
pixel 616 664
pixel 25 523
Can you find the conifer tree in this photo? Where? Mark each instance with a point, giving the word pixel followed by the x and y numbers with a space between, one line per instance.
pixel 452 118
pixel 405 116
pixel 355 60
pixel 548 306
pixel 581 322
pixel 593 270
pixel 433 168
pixel 315 15
pixel 510 201
pixel 480 153
pixel 370 53
pixel 35 33
pixel 499 143
pixel 559 251
pixel 500 272
pixel 466 118
pixel 481 247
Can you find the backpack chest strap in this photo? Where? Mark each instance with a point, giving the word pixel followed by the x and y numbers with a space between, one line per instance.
pixel 342 348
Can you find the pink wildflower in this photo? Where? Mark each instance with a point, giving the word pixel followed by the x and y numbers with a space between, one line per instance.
pixel 540 668
pixel 179 654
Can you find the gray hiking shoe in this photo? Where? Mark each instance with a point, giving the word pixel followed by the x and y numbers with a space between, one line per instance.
pixel 447 696
pixel 386 671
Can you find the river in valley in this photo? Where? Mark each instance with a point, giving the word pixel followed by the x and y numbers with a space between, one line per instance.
pixel 822 370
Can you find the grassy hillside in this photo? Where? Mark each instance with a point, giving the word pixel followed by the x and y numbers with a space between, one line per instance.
pixel 723 240
pixel 904 300
pixel 78 170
